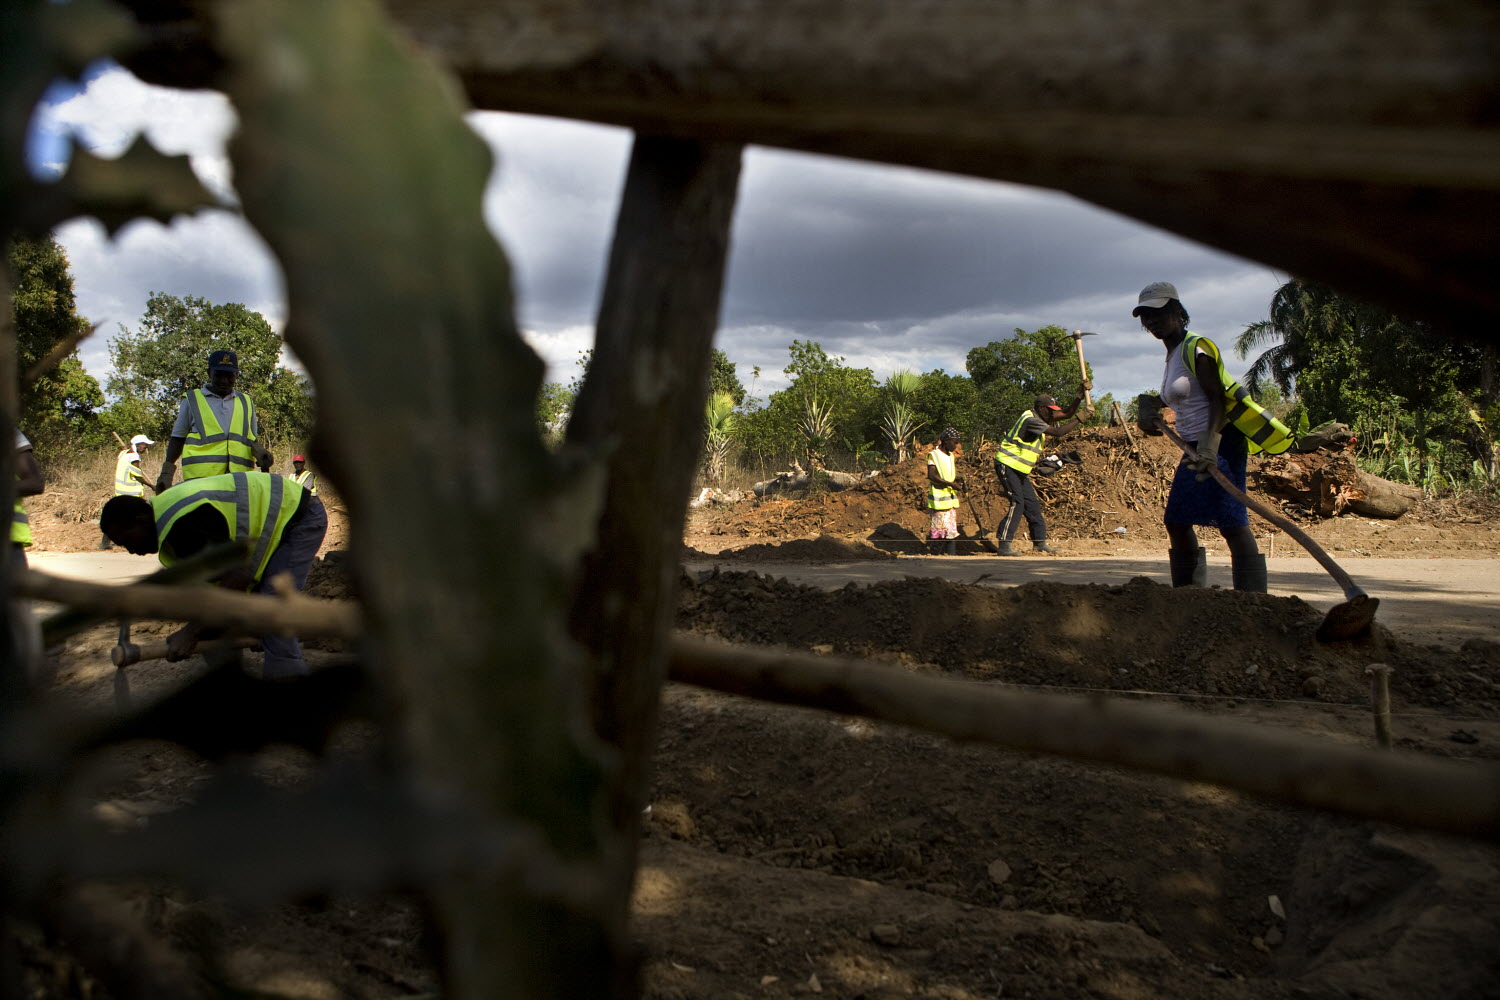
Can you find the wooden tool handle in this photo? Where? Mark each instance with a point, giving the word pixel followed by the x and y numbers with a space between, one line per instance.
pixel 1301 537
pixel 1082 368
pixel 127 653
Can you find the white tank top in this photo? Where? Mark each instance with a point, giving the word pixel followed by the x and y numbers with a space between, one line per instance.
pixel 1185 395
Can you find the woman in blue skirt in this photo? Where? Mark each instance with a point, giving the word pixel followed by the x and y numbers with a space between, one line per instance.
pixel 1195 386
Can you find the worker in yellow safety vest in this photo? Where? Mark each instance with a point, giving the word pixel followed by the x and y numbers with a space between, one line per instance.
pixel 943 485
pixel 281 524
pixel 1018 453
pixel 29 483
pixel 1224 425
pixel 130 481
pixel 303 476
pixel 216 430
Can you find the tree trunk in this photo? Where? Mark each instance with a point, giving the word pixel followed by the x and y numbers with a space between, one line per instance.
pixel 1383 498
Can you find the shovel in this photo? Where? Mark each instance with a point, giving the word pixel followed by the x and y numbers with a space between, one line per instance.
pixel 1343 621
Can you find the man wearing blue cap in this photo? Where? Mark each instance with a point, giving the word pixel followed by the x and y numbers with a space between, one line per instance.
pixel 216 431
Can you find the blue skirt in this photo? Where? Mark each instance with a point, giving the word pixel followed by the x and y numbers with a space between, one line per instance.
pixel 1206 503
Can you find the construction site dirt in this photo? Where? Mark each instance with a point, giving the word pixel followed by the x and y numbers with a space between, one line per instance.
pixel 790 852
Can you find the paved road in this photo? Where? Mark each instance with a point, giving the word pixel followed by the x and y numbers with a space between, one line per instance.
pixel 1436 601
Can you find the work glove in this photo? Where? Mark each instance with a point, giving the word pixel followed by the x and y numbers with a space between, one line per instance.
pixel 1208 455
pixel 1148 413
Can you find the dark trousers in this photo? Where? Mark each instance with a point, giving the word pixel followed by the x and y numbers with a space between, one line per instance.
pixel 1023 503
pixel 299 546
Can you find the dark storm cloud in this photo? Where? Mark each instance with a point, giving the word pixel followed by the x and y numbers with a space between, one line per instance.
pixel 887 267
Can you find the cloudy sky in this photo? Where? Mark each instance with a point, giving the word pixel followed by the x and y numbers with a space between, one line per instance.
pixel 888 267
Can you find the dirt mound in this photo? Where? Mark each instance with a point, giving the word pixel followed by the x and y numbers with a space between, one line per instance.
pixel 824 548
pixel 1117 482
pixel 1137 636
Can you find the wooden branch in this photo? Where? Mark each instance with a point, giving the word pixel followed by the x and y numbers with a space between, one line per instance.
pixel 286 614
pixel 1436 795
pixel 658 314
pixel 1283 766
pixel 55 356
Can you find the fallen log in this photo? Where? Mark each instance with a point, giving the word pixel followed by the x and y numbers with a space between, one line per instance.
pixel 1291 767
pixel 1331 484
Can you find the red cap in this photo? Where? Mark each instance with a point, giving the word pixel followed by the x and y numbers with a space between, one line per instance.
pixel 298 458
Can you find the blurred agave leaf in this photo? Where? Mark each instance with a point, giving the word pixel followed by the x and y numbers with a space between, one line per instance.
pixel 140 183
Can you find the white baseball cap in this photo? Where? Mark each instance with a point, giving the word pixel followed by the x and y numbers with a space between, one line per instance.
pixel 1156 295
pixel 141 439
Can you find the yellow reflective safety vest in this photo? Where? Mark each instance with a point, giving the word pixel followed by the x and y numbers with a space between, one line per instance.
pixel 20 525
pixel 1263 431
pixel 212 450
pixel 942 497
pixel 306 480
pixel 129 480
pixel 1020 453
pixel 256 506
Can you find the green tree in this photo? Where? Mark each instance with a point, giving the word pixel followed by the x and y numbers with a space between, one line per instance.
pixel 772 435
pixel 59 406
pixel 1009 374
pixel 723 378
pixel 158 363
pixel 944 401
pixel 1421 403
pixel 553 404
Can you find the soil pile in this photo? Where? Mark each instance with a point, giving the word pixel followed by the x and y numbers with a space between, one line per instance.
pixel 1117 481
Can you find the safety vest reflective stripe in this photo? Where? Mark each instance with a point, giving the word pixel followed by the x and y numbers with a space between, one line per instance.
pixel 257 510
pixel 1263 431
pixel 306 480
pixel 942 497
pixel 1017 453
pixel 209 449
pixel 20 526
pixel 128 476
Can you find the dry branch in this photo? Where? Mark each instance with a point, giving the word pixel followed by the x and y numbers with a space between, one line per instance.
pixel 286 614
pixel 1283 766
pixel 1427 793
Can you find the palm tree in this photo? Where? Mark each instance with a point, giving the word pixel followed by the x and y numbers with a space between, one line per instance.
pixel 718 433
pixel 899 422
pixel 817 429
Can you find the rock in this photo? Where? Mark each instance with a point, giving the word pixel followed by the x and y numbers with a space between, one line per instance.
pixel 886 935
pixel 999 872
pixel 1274 937
pixel 1274 902
pixel 1312 686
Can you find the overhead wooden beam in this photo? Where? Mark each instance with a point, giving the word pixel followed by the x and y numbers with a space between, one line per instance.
pixel 1355 143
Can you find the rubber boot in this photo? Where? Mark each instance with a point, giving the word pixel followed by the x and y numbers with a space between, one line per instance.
pixel 105 543
pixel 1042 546
pixel 951 549
pixel 1005 549
pixel 1189 567
pixel 1249 573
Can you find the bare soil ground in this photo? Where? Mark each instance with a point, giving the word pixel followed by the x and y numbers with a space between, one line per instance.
pixel 793 853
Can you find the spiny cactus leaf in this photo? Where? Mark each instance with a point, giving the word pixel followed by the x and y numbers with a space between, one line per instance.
pixel 141 183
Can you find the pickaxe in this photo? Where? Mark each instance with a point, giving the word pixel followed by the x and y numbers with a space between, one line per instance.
pixel 1078 336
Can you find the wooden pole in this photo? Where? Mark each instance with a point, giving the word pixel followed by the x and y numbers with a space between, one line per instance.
pixel 1380 702
pixel 1290 767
